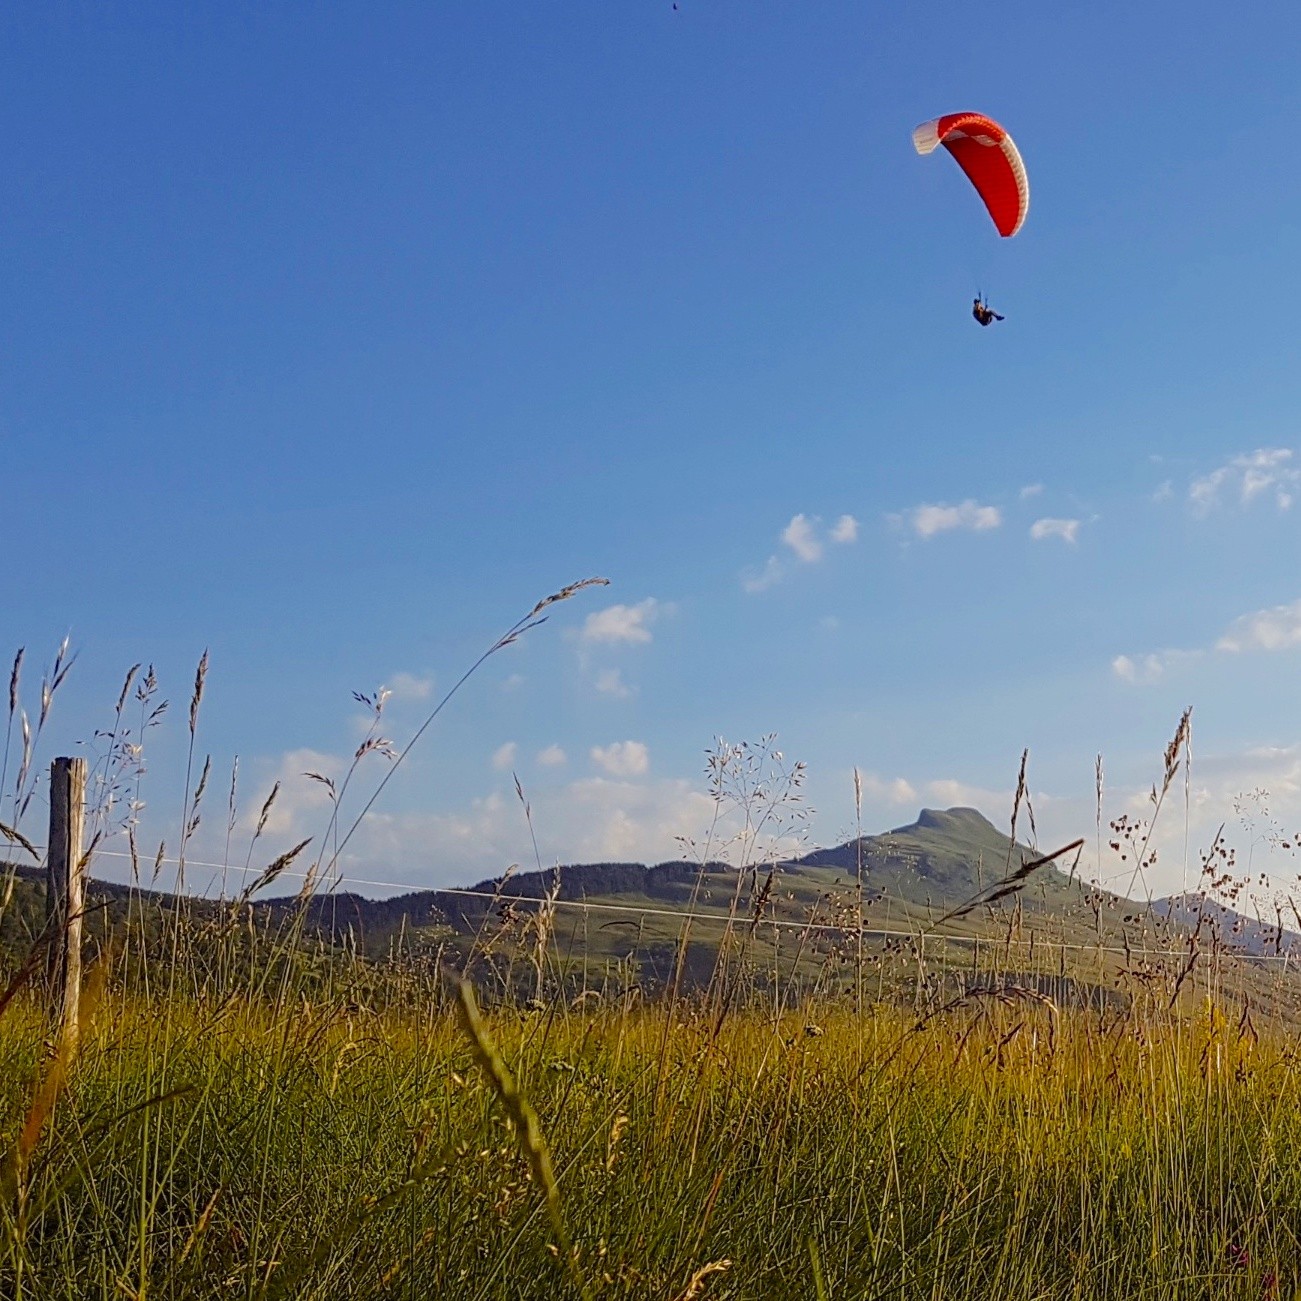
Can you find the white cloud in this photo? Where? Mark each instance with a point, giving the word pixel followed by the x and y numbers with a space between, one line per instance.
pixel 803 535
pixel 927 520
pixel 612 820
pixel 618 626
pixel 504 756
pixel 799 535
pixel 407 686
pixel 622 623
pixel 1272 768
pixel 1146 668
pixel 845 530
pixel 1164 491
pixel 951 793
pixel 602 817
pixel 1275 629
pixel 895 790
pixel 1066 529
pixel 609 682
pixel 622 758
pixel 593 819
pixel 760 580
pixel 513 683
pixel 1245 478
pixel 1031 490
pixel 301 800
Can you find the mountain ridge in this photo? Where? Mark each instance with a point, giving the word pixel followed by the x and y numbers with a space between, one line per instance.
pixel 912 875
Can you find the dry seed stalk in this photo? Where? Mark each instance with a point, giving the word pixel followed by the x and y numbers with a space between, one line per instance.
pixel 271 872
pixel 617 1127
pixel 13 709
pixel 1009 885
pixel 696 1285
pixel 13 680
pixel 200 1227
pixel 266 812
pixel 200 676
pixel 15 836
pixel 1016 807
pixel 1174 752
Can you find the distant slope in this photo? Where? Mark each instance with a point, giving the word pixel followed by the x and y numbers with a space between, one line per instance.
pixel 942 860
pixel 1233 930
pixel 913 877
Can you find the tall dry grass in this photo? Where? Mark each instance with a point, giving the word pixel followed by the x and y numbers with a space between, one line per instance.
pixel 992 1152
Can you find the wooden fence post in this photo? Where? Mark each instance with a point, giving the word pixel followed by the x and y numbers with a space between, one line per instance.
pixel 65 899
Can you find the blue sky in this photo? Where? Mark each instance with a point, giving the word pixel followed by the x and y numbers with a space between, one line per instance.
pixel 331 341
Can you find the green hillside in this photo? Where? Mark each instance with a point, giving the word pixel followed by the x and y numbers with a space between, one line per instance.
pixel 943 859
pixel 930 895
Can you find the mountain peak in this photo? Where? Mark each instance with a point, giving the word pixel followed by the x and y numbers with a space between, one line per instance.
pixel 955 821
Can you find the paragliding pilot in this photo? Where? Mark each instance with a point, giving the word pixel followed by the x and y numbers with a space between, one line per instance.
pixel 982 312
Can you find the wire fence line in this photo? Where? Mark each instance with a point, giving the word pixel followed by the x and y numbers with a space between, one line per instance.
pixel 810 925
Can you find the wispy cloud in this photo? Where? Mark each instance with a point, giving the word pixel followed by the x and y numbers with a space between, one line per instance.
pixel 590 819
pixel 1266 472
pixel 1140 669
pixel 889 790
pixel 622 758
pixel 622 623
pixel 602 818
pixel 408 686
pixel 609 682
pixel 799 535
pixel 301 801
pixel 613 630
pixel 1031 490
pixel 951 792
pixel 929 519
pixel 942 792
pixel 504 756
pixel 806 542
pixel 845 530
pixel 1278 628
pixel 760 580
pixel 552 757
pixel 1066 529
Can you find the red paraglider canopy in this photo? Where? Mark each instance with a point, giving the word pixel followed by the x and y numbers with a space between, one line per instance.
pixel 991 161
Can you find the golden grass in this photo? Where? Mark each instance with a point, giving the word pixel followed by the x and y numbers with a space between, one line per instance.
pixel 1000 1149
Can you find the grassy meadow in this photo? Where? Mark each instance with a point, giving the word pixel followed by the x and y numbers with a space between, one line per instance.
pixel 1000 1148
pixel 251 1107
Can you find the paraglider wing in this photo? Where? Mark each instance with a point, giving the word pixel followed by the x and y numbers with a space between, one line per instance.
pixel 991 161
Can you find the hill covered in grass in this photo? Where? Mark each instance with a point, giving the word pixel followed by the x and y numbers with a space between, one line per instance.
pixel 950 889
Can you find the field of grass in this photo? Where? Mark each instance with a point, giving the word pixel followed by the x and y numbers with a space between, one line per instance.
pixel 240 1148
pixel 254 1109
